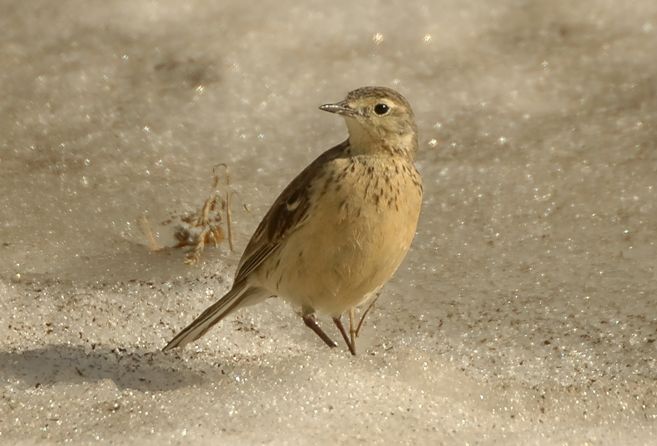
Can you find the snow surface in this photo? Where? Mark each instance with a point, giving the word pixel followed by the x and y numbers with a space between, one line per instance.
pixel 524 314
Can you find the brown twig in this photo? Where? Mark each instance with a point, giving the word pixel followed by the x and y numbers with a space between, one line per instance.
pixel 145 227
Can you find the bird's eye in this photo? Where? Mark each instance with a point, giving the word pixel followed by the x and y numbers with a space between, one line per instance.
pixel 381 109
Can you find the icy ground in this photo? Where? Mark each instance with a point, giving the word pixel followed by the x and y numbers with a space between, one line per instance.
pixel 525 313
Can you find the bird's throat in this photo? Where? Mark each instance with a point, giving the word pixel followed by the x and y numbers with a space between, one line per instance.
pixel 360 140
pixel 365 142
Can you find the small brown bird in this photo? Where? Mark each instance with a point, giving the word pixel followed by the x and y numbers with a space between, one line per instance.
pixel 340 229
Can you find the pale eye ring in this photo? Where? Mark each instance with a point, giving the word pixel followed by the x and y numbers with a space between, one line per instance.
pixel 381 109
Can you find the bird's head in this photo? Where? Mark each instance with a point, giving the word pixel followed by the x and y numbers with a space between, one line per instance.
pixel 379 120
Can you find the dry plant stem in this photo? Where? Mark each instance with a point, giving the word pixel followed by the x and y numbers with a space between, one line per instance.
pixel 145 227
pixel 193 257
pixel 211 233
pixel 229 229
pixel 204 215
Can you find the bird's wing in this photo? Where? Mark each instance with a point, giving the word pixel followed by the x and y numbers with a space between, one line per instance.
pixel 287 214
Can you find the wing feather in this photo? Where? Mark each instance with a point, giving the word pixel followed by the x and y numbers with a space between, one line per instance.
pixel 286 215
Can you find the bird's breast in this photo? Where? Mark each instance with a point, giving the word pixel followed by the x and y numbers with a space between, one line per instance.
pixel 373 213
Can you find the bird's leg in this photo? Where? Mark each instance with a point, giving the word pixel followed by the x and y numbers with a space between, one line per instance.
pixel 338 323
pixel 311 322
pixel 362 318
pixel 352 327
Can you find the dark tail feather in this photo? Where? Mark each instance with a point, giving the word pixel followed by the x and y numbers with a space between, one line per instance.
pixel 211 316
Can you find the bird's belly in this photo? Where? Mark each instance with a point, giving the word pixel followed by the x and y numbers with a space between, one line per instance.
pixel 345 252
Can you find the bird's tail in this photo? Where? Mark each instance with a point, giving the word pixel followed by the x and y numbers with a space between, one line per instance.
pixel 220 309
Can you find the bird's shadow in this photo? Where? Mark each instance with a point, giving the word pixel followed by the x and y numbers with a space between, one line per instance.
pixel 136 369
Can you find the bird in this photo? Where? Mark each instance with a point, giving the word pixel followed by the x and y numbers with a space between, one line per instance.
pixel 339 231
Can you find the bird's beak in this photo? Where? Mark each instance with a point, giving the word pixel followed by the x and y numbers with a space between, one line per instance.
pixel 341 108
